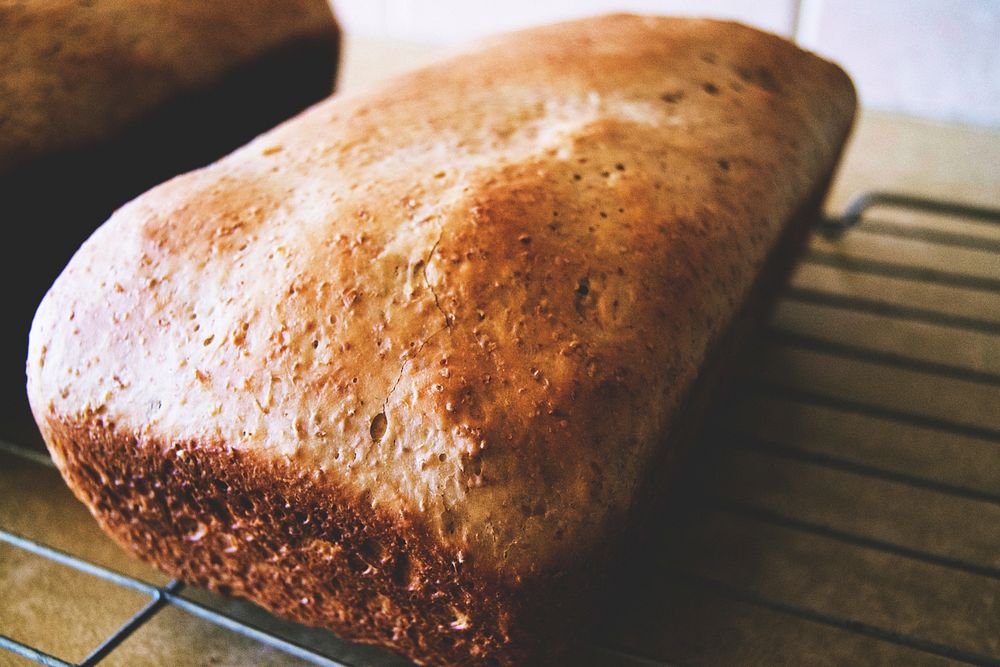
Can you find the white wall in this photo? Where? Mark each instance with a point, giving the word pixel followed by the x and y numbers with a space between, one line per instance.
pixel 932 58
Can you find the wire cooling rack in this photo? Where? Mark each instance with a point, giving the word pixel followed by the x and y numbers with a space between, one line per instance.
pixel 820 619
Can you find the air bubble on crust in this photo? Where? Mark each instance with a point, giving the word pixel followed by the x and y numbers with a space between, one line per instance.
pixel 199 531
pixel 461 621
pixel 378 427
pixel 231 544
pixel 374 552
pixel 402 570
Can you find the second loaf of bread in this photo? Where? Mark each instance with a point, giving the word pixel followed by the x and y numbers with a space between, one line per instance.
pixel 399 366
pixel 101 100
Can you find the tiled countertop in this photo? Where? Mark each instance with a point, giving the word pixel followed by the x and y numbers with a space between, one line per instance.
pixel 833 505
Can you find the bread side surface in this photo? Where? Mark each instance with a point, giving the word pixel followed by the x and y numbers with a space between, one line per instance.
pixel 466 304
pixel 249 526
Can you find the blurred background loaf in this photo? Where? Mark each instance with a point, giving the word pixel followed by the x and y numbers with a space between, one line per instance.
pixel 101 100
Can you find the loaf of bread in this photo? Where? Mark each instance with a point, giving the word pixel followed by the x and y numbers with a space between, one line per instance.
pixel 76 73
pixel 404 366
pixel 101 100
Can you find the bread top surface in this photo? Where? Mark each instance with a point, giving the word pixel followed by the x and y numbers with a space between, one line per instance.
pixel 473 296
pixel 72 73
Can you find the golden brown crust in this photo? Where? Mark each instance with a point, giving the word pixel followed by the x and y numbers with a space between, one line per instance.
pixel 470 301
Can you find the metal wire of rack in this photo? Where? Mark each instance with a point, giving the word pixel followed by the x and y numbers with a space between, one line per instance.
pixel 855 215
pixel 160 596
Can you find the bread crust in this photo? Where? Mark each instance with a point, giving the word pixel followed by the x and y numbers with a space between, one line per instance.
pixel 465 307
pixel 242 525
